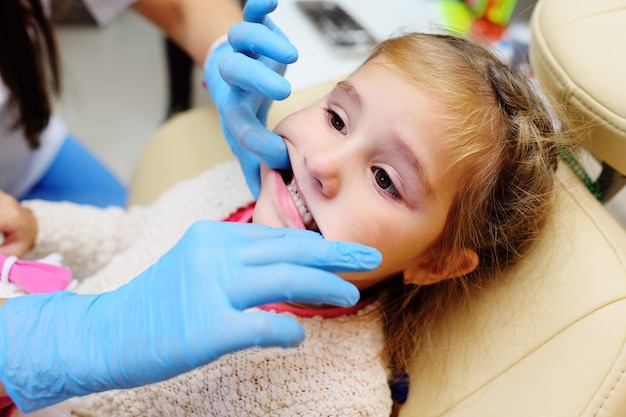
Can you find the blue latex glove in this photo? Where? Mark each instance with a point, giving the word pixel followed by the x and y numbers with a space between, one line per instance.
pixel 243 75
pixel 182 312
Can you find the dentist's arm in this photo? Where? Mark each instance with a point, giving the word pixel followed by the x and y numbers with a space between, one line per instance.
pixel 193 24
pixel 183 312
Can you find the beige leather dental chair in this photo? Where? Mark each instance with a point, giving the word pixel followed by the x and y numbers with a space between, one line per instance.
pixel 549 340
pixel 577 54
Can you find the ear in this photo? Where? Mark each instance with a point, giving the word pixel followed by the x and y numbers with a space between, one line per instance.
pixel 435 270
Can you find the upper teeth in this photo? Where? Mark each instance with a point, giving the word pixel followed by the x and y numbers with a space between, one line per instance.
pixel 307 218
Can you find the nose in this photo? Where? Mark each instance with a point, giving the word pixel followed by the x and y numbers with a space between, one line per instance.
pixel 324 164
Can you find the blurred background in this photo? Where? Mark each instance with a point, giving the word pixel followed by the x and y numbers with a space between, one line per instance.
pixel 115 91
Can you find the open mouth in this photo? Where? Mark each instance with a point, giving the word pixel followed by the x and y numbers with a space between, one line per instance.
pixel 307 217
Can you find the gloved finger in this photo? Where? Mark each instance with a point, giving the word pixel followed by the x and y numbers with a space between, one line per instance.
pixel 266 245
pixel 251 75
pixel 263 111
pixel 255 10
pixel 250 133
pixel 330 255
pixel 260 328
pixel 253 178
pixel 268 146
pixel 287 282
pixel 252 38
pixel 271 329
pixel 269 23
pixel 226 235
pixel 257 245
pixel 251 170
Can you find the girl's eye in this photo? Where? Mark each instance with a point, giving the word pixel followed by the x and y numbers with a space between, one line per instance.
pixel 336 122
pixel 384 182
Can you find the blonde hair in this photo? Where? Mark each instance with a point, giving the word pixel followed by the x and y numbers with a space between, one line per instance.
pixel 508 138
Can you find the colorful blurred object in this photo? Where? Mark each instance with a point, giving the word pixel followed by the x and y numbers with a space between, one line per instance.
pixel 485 18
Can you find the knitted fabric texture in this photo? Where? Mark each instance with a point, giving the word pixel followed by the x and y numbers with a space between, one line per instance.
pixel 337 371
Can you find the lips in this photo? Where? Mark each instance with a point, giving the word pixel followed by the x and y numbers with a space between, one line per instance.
pixel 293 205
pixel 303 210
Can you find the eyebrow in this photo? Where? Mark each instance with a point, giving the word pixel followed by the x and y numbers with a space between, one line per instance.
pixel 347 89
pixel 418 167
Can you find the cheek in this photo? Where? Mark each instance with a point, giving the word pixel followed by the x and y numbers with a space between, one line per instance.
pixel 401 252
pixel 401 239
pixel 397 237
pixel 414 242
pixel 398 250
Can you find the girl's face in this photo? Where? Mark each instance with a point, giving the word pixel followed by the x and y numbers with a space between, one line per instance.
pixel 368 166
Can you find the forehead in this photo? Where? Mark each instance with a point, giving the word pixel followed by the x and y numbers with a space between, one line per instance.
pixel 384 80
pixel 385 90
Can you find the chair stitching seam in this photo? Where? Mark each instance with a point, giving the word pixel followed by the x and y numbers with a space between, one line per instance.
pixel 610 393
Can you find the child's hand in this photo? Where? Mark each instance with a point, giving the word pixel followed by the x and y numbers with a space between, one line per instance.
pixel 18 226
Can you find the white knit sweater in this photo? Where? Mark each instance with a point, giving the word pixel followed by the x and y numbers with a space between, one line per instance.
pixel 337 371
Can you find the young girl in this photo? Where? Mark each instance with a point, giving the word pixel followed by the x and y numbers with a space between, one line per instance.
pixel 433 151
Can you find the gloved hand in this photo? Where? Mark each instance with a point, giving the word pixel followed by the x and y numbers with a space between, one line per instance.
pixel 243 76
pixel 182 312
